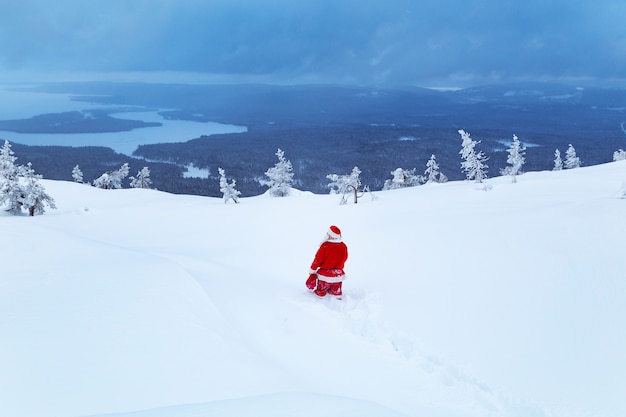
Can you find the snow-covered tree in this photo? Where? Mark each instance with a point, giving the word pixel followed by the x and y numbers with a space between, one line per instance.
pixel 432 171
pixel 103 181
pixel 7 160
pixel 35 198
pixel 346 184
pixel 110 180
pixel 228 189
pixel 10 189
pixel 515 160
pixel 143 179
pixel 558 162
pixel 340 184
pixel 473 163
pixel 571 160
pixel 20 186
pixel 120 174
pixel 619 155
pixel 11 195
pixel 403 178
pixel 77 174
pixel 280 176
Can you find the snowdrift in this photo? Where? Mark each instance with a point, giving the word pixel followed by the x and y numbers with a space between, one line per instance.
pixel 460 302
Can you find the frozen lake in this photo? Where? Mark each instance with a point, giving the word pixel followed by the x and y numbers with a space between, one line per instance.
pixel 26 104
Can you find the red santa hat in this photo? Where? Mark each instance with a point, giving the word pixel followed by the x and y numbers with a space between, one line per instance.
pixel 334 232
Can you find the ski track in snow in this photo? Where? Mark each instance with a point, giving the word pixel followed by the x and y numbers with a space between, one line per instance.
pixel 358 314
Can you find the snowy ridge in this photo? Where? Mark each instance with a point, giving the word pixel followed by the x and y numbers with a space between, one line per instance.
pixel 460 303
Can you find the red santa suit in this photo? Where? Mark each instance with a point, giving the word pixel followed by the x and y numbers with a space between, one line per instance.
pixel 326 272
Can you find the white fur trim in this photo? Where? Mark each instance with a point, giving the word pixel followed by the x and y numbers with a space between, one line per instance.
pixel 331 239
pixel 332 280
pixel 333 235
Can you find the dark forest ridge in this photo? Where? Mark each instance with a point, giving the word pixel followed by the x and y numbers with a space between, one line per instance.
pixel 327 129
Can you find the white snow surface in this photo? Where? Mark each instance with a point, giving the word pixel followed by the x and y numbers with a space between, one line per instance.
pixel 460 302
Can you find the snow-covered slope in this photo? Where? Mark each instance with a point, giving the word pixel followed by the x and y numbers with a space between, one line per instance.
pixel 460 302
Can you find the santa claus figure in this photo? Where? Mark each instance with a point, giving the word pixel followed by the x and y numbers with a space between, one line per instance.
pixel 326 273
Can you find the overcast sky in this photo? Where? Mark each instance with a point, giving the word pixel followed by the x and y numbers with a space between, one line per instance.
pixel 419 42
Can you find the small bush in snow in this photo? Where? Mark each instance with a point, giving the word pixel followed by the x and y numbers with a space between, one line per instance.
pixel 403 178
pixel 619 155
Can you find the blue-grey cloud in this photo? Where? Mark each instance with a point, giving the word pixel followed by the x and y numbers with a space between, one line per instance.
pixel 367 41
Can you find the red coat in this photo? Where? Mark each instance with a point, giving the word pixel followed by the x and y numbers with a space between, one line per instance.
pixel 329 261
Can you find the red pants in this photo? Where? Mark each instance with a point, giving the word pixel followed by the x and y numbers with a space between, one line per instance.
pixel 322 287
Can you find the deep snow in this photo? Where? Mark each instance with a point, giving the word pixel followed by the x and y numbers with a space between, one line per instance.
pixel 460 302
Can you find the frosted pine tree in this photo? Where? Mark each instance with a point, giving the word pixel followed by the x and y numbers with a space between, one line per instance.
pixel 280 176
pixel 228 189
pixel 20 186
pixel 432 171
pixel 119 175
pixel 7 160
pixel 11 194
pixel 77 174
pixel 516 159
pixel 143 179
pixel 35 198
pixel 103 181
pixel 110 180
pixel 473 163
pixel 571 160
pixel 558 162
pixel 403 178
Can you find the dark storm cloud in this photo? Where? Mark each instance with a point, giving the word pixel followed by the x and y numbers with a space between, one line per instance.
pixel 394 41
